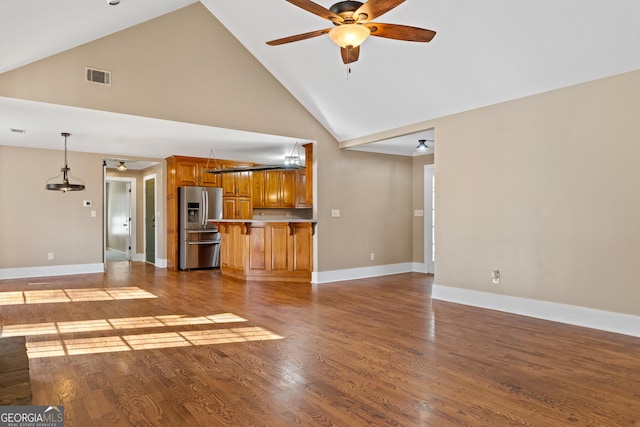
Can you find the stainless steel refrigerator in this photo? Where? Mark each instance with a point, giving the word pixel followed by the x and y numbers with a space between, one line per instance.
pixel 199 240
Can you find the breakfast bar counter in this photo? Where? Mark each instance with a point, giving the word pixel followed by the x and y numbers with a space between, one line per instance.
pixel 269 249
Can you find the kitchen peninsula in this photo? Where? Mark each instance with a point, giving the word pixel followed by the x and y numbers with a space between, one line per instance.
pixel 267 249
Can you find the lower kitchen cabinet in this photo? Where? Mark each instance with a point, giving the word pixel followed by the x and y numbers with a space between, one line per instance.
pixel 267 250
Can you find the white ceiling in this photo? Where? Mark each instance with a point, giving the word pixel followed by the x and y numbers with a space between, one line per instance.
pixel 483 53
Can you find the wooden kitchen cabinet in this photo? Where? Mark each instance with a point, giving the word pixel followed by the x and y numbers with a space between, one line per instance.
pixel 236 195
pixel 267 250
pixel 236 184
pixel 257 192
pixel 280 189
pixel 304 180
pixel 208 179
pixel 237 208
pixel 274 189
pixel 190 171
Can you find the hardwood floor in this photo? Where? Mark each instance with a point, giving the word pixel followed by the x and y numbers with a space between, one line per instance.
pixel 152 347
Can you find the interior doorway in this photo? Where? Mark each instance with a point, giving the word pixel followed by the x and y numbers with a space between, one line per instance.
pixel 119 219
pixel 150 210
pixel 429 218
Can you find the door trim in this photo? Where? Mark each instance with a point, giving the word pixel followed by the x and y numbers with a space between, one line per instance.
pixel 132 211
pixel 429 173
pixel 155 210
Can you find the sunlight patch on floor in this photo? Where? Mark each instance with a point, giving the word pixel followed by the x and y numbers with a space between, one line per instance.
pixel 115 324
pixel 49 296
pixel 73 346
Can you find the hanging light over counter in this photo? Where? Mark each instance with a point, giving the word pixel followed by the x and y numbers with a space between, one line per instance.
pixel 65 185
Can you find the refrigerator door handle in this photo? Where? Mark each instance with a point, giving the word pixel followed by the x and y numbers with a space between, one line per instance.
pixel 205 202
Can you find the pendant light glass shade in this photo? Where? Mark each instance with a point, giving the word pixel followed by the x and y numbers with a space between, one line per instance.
pixel 65 185
pixel 349 36
pixel 121 167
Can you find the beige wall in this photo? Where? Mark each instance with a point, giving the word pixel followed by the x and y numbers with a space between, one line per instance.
pixel 185 66
pixel 34 221
pixel 547 190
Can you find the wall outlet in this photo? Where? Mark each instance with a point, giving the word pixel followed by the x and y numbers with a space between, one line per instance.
pixel 373 256
pixel 50 256
pixel 495 276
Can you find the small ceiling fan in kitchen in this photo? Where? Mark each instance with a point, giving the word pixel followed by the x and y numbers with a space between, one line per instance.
pixel 353 23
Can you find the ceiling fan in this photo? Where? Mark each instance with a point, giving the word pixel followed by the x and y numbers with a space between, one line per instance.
pixel 353 24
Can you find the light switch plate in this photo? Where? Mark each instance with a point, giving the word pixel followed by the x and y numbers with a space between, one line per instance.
pixel 87 203
pixel 418 212
pixel 335 213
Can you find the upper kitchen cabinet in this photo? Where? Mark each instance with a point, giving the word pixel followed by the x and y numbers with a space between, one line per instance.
pixel 257 194
pixel 304 180
pixel 236 184
pixel 280 189
pixel 236 192
pixel 191 171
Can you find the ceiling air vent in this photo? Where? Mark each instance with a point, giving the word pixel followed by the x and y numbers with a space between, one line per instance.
pixel 98 76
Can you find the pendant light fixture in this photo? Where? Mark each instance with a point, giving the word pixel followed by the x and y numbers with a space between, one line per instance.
pixel 65 186
pixel 293 159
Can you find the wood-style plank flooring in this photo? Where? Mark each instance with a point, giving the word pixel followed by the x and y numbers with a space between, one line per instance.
pixel 151 347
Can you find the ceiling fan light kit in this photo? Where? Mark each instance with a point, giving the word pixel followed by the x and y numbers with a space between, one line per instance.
pixel 353 24
pixel 349 36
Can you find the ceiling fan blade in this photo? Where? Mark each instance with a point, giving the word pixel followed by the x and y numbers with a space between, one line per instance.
pixel 298 37
pixel 316 9
pixel 400 32
pixel 375 8
pixel 350 55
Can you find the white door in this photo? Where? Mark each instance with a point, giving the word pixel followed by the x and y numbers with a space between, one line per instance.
pixel 429 218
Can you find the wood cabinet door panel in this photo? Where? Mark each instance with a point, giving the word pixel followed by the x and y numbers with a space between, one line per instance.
pixel 208 179
pixel 186 173
pixel 257 195
pixel 288 189
pixel 257 253
pixel 245 208
pixel 272 189
pixel 228 184
pixel 279 247
pixel 243 184
pixel 302 244
pixel 228 208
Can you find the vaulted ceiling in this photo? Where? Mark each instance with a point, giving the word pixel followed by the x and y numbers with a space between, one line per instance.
pixel 483 53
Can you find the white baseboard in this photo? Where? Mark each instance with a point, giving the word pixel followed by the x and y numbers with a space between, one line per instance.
pixel 138 257
pixel 620 323
pixel 161 263
pixel 362 272
pixel 53 270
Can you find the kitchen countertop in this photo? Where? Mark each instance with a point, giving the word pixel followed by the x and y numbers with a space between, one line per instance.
pixel 263 220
